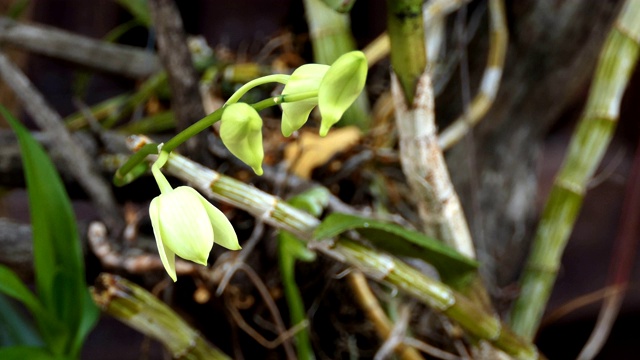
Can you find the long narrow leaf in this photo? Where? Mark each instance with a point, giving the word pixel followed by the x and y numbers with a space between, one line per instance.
pixel 12 286
pixel 58 259
pixel 17 328
pixel 451 265
pixel 52 331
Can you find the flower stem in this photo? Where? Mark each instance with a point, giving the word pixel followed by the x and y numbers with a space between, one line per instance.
pixel 120 178
pixel 279 78
pixel 163 184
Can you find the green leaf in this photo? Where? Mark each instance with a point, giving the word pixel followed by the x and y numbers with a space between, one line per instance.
pixel 452 266
pixel 312 201
pixel 291 249
pixel 58 258
pixel 87 322
pixel 25 352
pixel 17 328
pixel 13 287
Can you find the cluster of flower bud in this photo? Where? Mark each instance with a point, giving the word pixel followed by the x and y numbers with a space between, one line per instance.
pixel 331 88
pixel 185 223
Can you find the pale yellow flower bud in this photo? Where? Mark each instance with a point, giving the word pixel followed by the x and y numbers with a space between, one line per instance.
pixel 241 133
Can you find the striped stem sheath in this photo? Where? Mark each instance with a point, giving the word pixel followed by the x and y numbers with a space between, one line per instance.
pixel 490 79
pixel 425 168
pixel 375 264
pixel 422 160
pixel 588 144
pixel 144 312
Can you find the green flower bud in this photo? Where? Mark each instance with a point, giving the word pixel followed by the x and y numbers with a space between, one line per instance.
pixel 340 87
pixel 186 224
pixel 304 79
pixel 241 133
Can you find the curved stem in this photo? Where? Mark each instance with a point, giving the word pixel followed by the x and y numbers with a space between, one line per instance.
pixel 279 78
pixel 490 79
pixel 120 178
pixel 163 184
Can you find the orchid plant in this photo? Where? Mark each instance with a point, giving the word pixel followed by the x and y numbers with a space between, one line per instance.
pixel 185 223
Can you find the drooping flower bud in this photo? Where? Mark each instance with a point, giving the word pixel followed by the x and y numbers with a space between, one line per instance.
pixel 306 78
pixel 186 224
pixel 241 133
pixel 340 87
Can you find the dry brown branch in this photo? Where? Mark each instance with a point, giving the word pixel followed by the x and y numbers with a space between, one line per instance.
pixel 119 59
pixel 183 79
pixel 16 248
pixel 78 162
pixel 134 261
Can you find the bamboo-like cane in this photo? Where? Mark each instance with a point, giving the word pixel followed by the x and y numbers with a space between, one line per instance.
pixel 421 157
pixel 490 79
pixel 377 265
pixel 588 144
pixel 144 312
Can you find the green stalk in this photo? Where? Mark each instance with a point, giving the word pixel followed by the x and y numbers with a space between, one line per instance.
pixel 588 144
pixel 100 111
pixel 142 311
pixel 331 37
pixel 477 321
pixel 279 78
pixel 156 123
pixel 149 87
pixel 290 249
pixel 120 178
pixel 408 54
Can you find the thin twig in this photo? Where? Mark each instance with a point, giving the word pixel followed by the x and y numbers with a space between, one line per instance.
pixel 174 54
pixel 480 105
pixel 440 8
pixel 429 349
pixel 396 334
pixel 78 162
pixel 269 344
pixel 229 262
pixel 376 315
pixel 120 59
pixel 134 262
pixel 283 335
